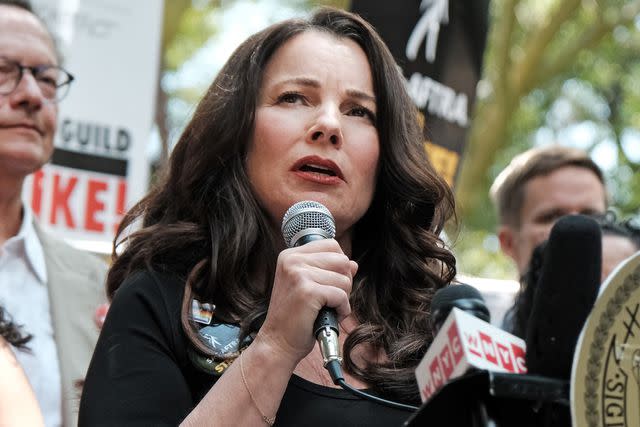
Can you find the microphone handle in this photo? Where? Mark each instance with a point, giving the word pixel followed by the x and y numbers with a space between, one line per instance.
pixel 325 328
pixel 327 318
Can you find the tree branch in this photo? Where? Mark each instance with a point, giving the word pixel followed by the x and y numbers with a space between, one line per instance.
pixel 502 34
pixel 539 41
pixel 589 38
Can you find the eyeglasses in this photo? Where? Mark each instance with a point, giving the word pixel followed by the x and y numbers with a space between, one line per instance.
pixel 52 80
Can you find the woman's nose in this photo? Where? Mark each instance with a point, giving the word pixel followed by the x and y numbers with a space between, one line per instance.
pixel 326 127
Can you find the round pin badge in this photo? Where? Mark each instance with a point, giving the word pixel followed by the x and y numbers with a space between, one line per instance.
pixel 207 364
pixel 223 341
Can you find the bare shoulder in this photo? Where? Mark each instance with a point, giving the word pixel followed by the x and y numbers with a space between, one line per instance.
pixel 18 405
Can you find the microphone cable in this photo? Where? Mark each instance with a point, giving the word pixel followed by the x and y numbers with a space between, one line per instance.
pixel 335 371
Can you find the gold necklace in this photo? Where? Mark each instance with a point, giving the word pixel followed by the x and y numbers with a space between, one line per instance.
pixel 321 375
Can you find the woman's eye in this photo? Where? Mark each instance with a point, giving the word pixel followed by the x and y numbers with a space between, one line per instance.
pixel 290 97
pixel 363 112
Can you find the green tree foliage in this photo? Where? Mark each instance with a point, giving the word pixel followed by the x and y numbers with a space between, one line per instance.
pixel 188 26
pixel 185 29
pixel 556 71
pixel 582 54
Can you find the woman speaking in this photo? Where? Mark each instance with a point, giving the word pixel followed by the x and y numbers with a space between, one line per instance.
pixel 212 313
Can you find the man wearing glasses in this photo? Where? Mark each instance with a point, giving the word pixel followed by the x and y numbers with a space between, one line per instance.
pixel 48 287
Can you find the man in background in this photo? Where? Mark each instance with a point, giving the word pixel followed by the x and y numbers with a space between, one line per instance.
pixel 537 188
pixel 49 288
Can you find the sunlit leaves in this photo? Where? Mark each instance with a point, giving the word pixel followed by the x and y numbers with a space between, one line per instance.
pixel 581 89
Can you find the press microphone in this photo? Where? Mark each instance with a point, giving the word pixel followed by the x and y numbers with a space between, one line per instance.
pixel 465 341
pixel 462 296
pixel 305 222
pixel 564 295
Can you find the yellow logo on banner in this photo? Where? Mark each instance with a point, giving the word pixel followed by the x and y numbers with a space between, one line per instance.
pixel 444 161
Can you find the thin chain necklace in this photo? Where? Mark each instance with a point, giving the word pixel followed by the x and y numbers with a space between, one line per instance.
pixel 312 365
pixel 320 375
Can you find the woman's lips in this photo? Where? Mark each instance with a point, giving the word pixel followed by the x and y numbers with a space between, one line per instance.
pixel 319 178
pixel 319 170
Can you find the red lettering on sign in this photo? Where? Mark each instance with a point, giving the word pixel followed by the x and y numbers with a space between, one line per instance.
pixel 36 192
pixel 436 373
pixel 121 199
pixel 427 389
pixel 504 355
pixel 77 201
pixel 518 356
pixel 454 342
pixel 446 361
pixel 94 205
pixel 488 349
pixel 60 200
pixel 473 344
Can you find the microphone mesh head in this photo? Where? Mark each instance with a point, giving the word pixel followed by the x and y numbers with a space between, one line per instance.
pixel 308 216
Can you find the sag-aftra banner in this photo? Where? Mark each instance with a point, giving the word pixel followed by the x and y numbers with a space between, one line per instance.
pixel 439 45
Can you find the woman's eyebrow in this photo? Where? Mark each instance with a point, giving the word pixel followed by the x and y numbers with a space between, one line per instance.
pixel 363 96
pixel 310 82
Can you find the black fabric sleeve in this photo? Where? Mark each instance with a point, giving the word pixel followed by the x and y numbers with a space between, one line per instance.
pixel 141 375
pixel 137 373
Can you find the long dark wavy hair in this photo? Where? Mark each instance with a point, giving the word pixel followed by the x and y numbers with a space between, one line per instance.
pixel 11 332
pixel 202 221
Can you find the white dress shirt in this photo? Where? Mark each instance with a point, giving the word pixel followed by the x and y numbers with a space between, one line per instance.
pixel 24 295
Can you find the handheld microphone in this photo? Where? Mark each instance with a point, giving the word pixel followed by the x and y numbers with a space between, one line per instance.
pixel 305 222
pixel 465 342
pixel 565 294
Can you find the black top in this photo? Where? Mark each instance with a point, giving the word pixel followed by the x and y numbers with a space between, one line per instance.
pixel 141 373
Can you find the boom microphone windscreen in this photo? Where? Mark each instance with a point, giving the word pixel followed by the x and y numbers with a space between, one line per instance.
pixel 565 294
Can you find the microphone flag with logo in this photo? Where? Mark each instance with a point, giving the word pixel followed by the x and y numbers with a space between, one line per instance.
pixel 466 342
